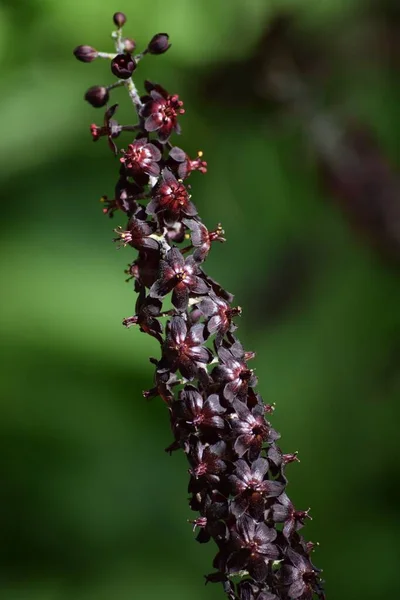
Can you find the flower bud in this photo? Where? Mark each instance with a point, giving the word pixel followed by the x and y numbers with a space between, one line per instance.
pixel 97 96
pixel 159 44
pixel 129 45
pixel 123 65
pixel 119 19
pixel 85 53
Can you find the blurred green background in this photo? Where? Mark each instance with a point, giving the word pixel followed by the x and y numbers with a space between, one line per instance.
pixel 91 505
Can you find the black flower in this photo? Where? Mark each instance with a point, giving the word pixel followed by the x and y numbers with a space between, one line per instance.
pixel 160 112
pixel 283 511
pixel 255 548
pixel 141 158
pixel 251 488
pixel 170 197
pixel 111 128
pixel 251 429
pixel 207 461
pixel 179 276
pixel 300 577
pixel 234 372
pixel 184 349
pixel 137 235
pixel 219 314
pixel 200 413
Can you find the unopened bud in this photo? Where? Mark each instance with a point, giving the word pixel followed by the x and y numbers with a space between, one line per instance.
pixel 123 66
pixel 129 45
pixel 85 53
pixel 97 96
pixel 119 19
pixel 159 44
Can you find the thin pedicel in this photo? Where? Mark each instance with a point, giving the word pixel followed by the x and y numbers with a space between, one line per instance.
pixel 237 470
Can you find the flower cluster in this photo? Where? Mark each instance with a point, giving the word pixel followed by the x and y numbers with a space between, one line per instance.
pixel 237 470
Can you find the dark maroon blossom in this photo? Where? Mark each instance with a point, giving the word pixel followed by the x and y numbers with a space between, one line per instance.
pixel 207 461
pixel 160 112
pixel 147 311
pixel 180 162
pixel 141 158
pixel 219 314
pixel 249 591
pixel 197 412
pixel 171 197
pixel 300 577
pixel 184 349
pixel 202 238
pixel 251 489
pixel 137 235
pixel 111 128
pixel 283 511
pixel 255 548
pixel 179 276
pixel 251 429
pixel 234 372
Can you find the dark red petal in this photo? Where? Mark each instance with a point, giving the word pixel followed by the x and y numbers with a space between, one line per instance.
pixel 187 368
pixel 199 286
pixel 259 468
pixel 177 154
pixel 180 297
pixel 242 444
pixel 297 589
pixel 194 401
pixel 153 169
pixel 213 405
pixel 272 489
pixel 238 561
pixel 175 259
pixel 178 329
pixel 201 354
pixel 196 334
pixel 246 527
pixel 258 568
pixel 239 506
pixel 189 209
pixel 161 288
pixel 154 152
pixel 153 122
pixel 264 535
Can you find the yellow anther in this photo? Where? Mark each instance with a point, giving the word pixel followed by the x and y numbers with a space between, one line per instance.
pixel 200 153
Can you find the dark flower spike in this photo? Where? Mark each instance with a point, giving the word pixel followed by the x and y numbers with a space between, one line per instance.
pixel 237 483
